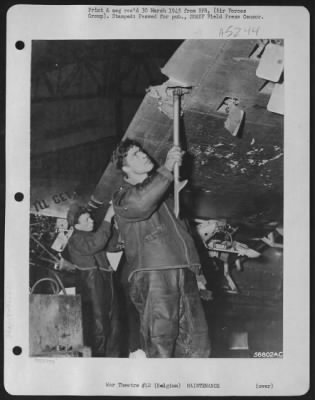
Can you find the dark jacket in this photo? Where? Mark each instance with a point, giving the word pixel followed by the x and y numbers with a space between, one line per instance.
pixel 154 238
pixel 87 249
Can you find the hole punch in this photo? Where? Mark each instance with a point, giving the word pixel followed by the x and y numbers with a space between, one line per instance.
pixel 20 45
pixel 19 196
pixel 17 350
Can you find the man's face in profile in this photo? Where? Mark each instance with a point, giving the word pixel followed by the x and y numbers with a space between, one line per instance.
pixel 137 162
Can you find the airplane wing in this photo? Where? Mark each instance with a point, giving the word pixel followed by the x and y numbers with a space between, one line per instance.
pixel 235 170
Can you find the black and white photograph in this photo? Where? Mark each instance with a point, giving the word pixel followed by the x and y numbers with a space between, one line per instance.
pixel 221 103
pixel 155 204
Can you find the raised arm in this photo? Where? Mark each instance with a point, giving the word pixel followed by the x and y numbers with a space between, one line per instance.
pixel 96 241
pixel 138 202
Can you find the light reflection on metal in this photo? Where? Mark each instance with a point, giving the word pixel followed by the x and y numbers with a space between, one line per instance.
pixel 178 186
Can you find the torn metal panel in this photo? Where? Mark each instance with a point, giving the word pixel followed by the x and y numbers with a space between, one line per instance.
pixel 235 119
pixel 164 94
pixel 276 101
pixel 271 63
pixel 210 67
pixel 164 97
pixel 217 69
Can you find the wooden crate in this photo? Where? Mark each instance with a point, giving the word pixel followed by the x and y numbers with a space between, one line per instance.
pixel 56 326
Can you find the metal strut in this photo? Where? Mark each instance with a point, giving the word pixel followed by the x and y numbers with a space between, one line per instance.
pixel 178 186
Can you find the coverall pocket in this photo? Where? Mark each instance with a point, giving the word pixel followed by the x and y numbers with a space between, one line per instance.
pixel 164 315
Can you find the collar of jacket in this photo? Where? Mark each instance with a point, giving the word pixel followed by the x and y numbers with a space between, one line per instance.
pixel 82 232
pixel 127 184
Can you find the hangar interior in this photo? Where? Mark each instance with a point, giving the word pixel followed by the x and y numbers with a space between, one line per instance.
pixel 88 95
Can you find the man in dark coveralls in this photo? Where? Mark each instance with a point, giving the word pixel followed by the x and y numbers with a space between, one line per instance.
pixel 162 259
pixel 87 250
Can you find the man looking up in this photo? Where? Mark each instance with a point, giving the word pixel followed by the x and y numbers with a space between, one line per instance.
pixel 162 259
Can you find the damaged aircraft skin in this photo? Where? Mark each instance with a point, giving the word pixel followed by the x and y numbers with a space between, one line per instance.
pixel 234 175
